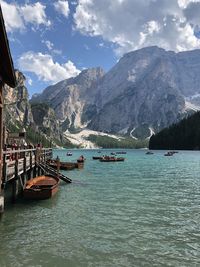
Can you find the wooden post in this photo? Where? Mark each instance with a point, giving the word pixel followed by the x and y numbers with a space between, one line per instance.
pixel 24 176
pixel 1 148
pixel 15 184
pixel 35 167
pixel 15 190
pixel 5 170
pixel 31 166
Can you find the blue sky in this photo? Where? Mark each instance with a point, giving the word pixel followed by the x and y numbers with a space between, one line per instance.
pixel 54 40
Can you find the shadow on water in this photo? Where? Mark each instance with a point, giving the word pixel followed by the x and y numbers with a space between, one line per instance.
pixel 22 203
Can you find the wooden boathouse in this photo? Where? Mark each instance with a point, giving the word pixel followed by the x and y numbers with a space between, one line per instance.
pixel 17 166
pixel 7 76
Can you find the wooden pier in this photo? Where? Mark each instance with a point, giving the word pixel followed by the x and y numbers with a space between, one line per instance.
pixel 22 165
pixel 17 166
pixel 23 162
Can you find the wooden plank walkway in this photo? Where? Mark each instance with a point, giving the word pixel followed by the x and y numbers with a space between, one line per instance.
pixel 18 162
pixel 22 165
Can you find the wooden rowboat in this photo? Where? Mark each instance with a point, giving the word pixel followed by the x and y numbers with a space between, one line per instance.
pixel 63 165
pixel 41 187
pixel 96 157
pixel 111 159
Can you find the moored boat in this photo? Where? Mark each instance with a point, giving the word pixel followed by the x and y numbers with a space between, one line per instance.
pixel 63 165
pixel 69 153
pixel 81 159
pixel 169 153
pixel 111 159
pixel 96 157
pixel 149 153
pixel 41 187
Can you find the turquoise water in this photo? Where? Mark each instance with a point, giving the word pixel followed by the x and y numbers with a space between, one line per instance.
pixel 141 212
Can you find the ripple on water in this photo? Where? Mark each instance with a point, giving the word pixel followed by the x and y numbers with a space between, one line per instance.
pixel 143 212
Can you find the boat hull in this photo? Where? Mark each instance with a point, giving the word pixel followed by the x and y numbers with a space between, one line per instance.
pixel 95 158
pixel 112 159
pixel 41 187
pixel 64 165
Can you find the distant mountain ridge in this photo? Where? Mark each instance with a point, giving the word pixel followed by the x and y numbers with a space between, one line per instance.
pixel 147 90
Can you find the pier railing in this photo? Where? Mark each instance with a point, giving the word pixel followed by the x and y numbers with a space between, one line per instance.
pixel 20 162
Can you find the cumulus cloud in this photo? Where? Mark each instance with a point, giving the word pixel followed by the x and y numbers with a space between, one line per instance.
pixel 62 7
pixel 185 3
pixel 45 68
pixel 17 17
pixel 35 14
pixel 135 24
pixel 12 16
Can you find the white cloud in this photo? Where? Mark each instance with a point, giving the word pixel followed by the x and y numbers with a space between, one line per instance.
pixel 185 3
pixel 48 44
pixel 30 81
pixel 35 14
pixel 12 16
pixel 135 24
pixel 62 7
pixel 17 17
pixel 45 68
pixel 51 48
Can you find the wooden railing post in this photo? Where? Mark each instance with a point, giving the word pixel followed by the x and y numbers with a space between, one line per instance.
pixel 24 171
pixel 1 146
pixel 15 182
pixel 5 170
pixel 31 164
pixel 35 167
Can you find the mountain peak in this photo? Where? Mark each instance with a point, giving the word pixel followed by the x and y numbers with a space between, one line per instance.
pixel 91 73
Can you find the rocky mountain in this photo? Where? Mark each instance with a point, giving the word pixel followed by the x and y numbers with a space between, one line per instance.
pixel 38 120
pixel 17 107
pixel 145 91
pixel 69 98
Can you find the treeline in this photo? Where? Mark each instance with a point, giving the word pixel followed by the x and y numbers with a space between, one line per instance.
pixel 109 142
pixel 184 135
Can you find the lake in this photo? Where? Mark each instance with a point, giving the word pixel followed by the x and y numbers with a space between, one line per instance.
pixel 141 212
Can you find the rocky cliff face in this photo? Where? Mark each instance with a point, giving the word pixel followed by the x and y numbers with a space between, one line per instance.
pixel 139 92
pixel 145 91
pixel 70 97
pixel 38 119
pixel 45 121
pixel 17 107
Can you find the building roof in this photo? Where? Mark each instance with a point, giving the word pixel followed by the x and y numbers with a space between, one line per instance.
pixel 7 72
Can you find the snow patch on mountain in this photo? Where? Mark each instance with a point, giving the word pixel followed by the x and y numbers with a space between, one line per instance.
pixel 190 106
pixel 80 139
